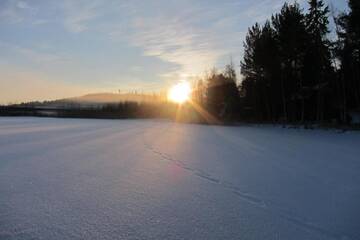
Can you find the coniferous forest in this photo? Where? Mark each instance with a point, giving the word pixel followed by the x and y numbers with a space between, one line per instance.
pixel 292 70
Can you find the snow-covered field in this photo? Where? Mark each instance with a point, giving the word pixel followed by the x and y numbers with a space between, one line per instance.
pixel 154 179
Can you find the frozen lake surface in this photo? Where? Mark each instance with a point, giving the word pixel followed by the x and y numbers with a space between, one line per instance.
pixel 153 179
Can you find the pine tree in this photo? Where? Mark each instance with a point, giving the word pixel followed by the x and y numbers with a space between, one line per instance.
pixel 348 52
pixel 318 69
pixel 291 37
pixel 268 84
pixel 250 71
pixel 260 69
pixel 354 39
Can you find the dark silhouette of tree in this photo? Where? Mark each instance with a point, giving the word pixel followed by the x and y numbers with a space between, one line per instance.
pixel 287 67
pixel 348 53
pixel 273 66
pixel 231 91
pixel 222 95
pixel 250 70
pixel 260 69
pixel 291 36
pixel 317 69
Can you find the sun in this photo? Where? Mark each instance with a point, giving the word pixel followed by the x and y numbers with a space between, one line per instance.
pixel 180 93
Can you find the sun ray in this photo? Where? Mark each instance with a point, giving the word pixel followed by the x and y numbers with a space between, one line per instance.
pixel 208 117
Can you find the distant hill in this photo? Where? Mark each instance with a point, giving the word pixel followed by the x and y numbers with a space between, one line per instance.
pixel 113 98
pixel 94 100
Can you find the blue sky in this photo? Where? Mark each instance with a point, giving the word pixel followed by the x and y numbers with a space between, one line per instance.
pixel 52 49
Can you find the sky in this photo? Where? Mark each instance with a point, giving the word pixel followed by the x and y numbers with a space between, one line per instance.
pixel 52 49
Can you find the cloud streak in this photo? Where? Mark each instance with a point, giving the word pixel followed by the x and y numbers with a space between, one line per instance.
pixel 184 40
pixel 33 55
pixel 78 13
pixel 14 11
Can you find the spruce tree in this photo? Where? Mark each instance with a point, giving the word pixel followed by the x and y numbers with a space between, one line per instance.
pixel 317 67
pixel 291 37
pixel 250 70
pixel 348 50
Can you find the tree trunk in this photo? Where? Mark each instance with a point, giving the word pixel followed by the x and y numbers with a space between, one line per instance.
pixel 283 97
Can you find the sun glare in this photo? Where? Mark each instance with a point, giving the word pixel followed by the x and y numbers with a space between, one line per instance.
pixel 180 93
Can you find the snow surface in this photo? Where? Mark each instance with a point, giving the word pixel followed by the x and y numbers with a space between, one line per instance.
pixel 154 179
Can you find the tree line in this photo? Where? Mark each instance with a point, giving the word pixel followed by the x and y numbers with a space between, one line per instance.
pixel 291 70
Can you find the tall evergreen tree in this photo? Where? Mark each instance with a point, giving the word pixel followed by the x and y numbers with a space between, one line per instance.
pixel 349 56
pixel 250 70
pixel 291 36
pixel 260 69
pixel 268 84
pixel 317 69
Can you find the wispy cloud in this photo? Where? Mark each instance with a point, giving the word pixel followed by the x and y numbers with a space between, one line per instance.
pixel 183 39
pixel 78 13
pixel 195 37
pixel 12 11
pixel 23 5
pixel 34 55
pixel 175 43
pixel 18 11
